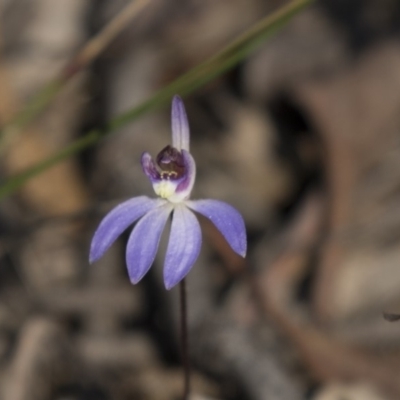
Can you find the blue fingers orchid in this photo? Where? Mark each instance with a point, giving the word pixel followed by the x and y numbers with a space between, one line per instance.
pixel 172 175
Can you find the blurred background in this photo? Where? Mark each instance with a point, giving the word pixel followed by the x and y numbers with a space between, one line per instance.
pixel 303 137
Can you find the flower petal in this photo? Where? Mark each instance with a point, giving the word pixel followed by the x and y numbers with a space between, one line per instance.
pixel 184 187
pixel 180 125
pixel 143 242
pixel 116 221
pixel 190 174
pixel 183 246
pixel 149 167
pixel 227 219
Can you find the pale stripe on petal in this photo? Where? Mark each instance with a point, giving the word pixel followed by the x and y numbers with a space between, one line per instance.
pixel 183 246
pixel 144 240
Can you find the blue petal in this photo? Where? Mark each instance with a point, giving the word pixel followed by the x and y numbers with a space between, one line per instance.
pixel 227 219
pixel 116 221
pixel 183 246
pixel 185 185
pixel 143 242
pixel 180 125
pixel 149 167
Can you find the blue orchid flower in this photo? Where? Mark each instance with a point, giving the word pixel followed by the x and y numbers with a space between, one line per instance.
pixel 172 175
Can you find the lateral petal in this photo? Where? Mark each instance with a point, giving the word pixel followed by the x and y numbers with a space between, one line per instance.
pixel 185 185
pixel 183 246
pixel 149 167
pixel 144 240
pixel 227 220
pixel 116 221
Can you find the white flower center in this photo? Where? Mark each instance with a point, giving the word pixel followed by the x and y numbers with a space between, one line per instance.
pixel 164 188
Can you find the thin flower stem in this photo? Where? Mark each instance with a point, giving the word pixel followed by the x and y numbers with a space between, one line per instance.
pixel 184 340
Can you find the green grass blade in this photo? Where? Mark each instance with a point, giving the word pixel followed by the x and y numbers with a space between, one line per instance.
pixel 230 56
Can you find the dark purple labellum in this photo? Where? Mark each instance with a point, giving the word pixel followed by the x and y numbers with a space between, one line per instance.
pixel 171 163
